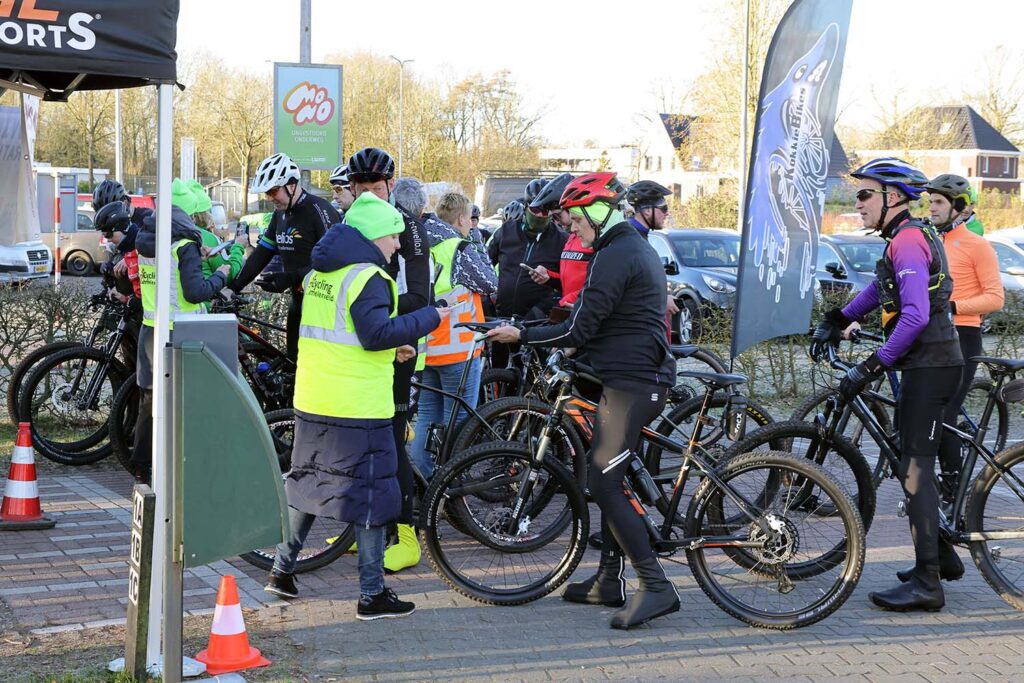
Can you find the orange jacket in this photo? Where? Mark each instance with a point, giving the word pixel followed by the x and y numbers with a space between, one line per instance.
pixel 977 286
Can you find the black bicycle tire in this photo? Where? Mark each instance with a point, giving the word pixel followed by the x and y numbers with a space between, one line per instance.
pixel 344 541
pixel 782 432
pixel 431 511
pixel 803 413
pixel 23 368
pixel 1001 413
pixel 506 377
pixel 472 428
pixel 121 423
pixel 855 544
pixel 974 522
pixel 75 453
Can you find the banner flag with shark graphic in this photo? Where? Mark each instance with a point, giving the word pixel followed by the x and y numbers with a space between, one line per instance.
pixel 789 161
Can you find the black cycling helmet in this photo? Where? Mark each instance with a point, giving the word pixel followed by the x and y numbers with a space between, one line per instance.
pixel 533 188
pixel 370 164
pixel 547 199
pixel 106 192
pixel 114 217
pixel 645 193
pixel 513 211
pixel 952 187
pixel 474 212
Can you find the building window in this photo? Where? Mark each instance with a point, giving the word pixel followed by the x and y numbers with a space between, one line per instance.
pixel 984 165
pixel 647 163
pixel 673 162
pixel 1006 165
pixel 659 164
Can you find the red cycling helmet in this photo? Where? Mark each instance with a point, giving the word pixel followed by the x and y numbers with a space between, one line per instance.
pixel 592 188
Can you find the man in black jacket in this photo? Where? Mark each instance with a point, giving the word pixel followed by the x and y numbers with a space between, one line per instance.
pixel 300 219
pixel 618 321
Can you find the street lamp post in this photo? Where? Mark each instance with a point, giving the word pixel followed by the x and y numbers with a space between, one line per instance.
pixel 401 109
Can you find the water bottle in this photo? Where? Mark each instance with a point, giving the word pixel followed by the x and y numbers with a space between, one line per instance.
pixel 645 486
pixel 736 417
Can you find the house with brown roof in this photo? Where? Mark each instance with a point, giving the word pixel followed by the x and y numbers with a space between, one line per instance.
pixel 952 139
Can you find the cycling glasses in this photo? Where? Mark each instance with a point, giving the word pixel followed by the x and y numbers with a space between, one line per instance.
pixel 864 195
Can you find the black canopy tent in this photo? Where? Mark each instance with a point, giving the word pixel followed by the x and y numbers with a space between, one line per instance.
pixel 51 49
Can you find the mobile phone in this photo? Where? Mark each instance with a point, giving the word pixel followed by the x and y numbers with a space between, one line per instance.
pixel 528 268
pixel 242 229
pixel 219 248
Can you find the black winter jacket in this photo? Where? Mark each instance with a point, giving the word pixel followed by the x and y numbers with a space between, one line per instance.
pixel 619 318
pixel 510 246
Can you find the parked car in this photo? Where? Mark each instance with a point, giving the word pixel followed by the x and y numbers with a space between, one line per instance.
pixel 82 250
pixel 846 263
pixel 702 265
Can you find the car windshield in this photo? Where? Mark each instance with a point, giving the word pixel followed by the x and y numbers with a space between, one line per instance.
pixel 708 252
pixel 862 255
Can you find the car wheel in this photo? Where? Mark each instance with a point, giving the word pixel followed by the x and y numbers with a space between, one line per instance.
pixel 79 264
pixel 688 321
pixel 986 325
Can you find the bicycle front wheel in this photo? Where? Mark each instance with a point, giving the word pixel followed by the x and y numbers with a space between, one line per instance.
pixel 778 590
pixel 487 484
pixel 328 539
pixel 67 400
pixel 996 506
pixel 124 413
pixel 24 369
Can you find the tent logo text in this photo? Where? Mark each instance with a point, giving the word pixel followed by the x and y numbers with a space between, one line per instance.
pixel 23 23
pixel 307 102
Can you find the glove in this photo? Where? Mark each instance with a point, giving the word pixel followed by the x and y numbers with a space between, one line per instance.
pixel 828 333
pixel 274 282
pixel 859 376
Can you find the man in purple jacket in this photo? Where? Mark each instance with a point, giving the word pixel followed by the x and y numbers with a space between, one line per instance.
pixel 912 288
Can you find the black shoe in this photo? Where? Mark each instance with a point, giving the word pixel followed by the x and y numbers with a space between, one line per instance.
pixel 596 540
pixel 916 595
pixel 656 596
pixel 282 584
pixel 607 587
pixel 951 568
pixel 385 605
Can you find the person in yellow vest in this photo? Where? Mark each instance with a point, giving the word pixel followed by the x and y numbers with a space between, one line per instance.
pixel 191 290
pixel 344 460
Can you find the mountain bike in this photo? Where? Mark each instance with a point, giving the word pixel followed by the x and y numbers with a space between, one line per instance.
pixel 987 508
pixel 752 538
pixel 68 395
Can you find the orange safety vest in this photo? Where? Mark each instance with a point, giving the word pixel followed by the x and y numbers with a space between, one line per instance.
pixel 447 344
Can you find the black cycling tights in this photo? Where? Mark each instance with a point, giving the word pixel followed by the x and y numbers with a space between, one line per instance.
pixel 402 388
pixel 924 394
pixel 622 412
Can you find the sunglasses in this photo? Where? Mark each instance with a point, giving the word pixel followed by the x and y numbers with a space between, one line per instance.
pixel 274 190
pixel 864 195
pixel 339 188
pixel 542 213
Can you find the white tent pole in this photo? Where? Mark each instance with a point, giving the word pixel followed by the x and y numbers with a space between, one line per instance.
pixel 744 100
pixel 161 384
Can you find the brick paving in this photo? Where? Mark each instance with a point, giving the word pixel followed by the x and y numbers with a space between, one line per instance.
pixel 74 577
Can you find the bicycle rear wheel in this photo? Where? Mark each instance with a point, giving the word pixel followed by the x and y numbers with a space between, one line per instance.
pixel 328 539
pixel 974 405
pixel 837 456
pixel 498 383
pixel 124 413
pixel 67 427
pixel 996 504
pixel 513 567
pixel 23 369
pixel 778 590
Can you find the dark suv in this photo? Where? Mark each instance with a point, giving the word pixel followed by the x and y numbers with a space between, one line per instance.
pixel 702 265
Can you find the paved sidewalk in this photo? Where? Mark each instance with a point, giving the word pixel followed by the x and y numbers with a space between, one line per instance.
pixel 74 577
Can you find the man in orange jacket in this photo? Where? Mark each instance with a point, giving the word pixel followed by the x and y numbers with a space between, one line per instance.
pixel 977 291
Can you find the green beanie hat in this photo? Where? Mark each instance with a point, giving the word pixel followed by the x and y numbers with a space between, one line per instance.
pixel 182 197
pixel 374 217
pixel 203 201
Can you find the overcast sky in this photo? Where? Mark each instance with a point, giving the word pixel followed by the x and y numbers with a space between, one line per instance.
pixel 643 45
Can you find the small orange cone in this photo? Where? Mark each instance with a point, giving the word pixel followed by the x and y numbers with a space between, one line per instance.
pixel 20 508
pixel 228 649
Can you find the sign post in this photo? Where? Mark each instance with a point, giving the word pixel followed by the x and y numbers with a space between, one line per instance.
pixel 307 114
pixel 140 567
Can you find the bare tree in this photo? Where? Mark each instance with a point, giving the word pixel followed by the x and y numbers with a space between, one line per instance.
pixel 999 94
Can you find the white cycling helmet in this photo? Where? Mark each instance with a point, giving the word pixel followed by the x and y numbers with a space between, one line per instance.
pixel 339 176
pixel 274 171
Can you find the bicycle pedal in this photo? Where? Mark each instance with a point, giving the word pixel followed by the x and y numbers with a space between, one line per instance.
pixel 901 508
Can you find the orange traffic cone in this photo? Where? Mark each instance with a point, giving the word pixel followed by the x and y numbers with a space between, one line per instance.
pixel 20 508
pixel 228 649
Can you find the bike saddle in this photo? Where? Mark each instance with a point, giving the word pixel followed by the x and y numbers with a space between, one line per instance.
pixel 1004 364
pixel 715 379
pixel 482 327
pixel 683 350
pixel 584 371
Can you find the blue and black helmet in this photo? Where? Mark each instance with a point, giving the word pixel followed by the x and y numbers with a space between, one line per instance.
pixel 892 172
pixel 513 211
